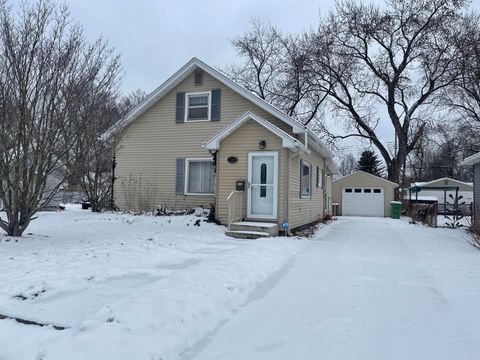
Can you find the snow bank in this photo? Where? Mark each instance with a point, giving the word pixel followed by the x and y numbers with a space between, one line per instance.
pixel 161 291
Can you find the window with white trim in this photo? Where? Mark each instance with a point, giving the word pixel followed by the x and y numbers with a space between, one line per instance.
pixel 319 177
pixel 305 180
pixel 198 106
pixel 199 179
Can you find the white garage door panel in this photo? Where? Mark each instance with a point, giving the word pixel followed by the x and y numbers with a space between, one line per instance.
pixel 367 202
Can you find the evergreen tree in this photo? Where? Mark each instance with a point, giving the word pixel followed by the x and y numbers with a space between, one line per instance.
pixel 370 163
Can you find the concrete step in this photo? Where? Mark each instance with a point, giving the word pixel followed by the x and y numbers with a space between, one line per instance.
pixel 271 228
pixel 245 234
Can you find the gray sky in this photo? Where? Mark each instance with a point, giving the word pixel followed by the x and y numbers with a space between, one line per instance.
pixel 156 37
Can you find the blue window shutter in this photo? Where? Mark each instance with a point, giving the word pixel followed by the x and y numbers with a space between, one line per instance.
pixel 180 115
pixel 216 100
pixel 180 178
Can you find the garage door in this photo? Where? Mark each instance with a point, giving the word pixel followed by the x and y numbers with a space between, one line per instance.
pixel 363 201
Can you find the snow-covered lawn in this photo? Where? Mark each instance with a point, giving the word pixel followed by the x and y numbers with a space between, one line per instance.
pixel 125 286
pixel 144 287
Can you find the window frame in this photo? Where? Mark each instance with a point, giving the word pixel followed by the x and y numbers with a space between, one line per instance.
pixel 304 163
pixel 187 175
pixel 187 102
pixel 319 178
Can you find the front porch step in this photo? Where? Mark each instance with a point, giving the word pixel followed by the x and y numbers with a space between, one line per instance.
pixel 266 227
pixel 246 234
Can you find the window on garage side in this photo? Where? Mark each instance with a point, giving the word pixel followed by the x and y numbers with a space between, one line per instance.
pixel 305 179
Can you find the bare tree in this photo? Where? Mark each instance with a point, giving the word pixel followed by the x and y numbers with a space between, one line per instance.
pixel 91 163
pixel 46 70
pixel 464 97
pixel 378 63
pixel 274 68
pixel 348 164
pixel 128 102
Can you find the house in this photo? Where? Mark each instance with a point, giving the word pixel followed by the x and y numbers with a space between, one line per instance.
pixel 363 194
pixel 201 139
pixel 440 190
pixel 474 160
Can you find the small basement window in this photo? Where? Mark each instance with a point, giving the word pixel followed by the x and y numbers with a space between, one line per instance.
pixel 198 107
pixel 358 190
pixel 367 191
pixel 377 191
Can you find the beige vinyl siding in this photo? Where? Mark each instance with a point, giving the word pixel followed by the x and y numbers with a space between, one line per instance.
pixel 244 140
pixel 360 179
pixel 303 211
pixel 147 149
pixel 476 196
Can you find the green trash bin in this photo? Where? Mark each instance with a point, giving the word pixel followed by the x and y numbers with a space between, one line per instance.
pixel 395 209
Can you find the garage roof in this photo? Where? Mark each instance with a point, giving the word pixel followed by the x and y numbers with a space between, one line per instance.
pixel 366 173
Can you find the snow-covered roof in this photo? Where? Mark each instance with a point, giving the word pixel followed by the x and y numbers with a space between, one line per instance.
pixel 288 141
pixel 422 197
pixel 428 183
pixel 366 173
pixel 471 160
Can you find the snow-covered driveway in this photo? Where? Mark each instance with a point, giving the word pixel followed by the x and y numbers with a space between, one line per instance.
pixel 368 289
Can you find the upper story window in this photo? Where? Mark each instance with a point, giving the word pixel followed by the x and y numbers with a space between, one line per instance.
pixel 198 106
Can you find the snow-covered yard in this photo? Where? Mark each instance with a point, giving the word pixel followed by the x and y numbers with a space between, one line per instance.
pixel 127 287
pixel 143 287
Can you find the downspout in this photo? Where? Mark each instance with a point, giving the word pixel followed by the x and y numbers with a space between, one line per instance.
pixel 287 185
pixel 306 137
pixel 114 165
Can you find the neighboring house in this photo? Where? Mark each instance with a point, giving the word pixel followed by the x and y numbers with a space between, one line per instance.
pixel 440 190
pixel 363 194
pixel 474 160
pixel 201 139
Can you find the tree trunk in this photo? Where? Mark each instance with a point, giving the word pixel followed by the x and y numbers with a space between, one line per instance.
pixel 394 171
pixel 17 227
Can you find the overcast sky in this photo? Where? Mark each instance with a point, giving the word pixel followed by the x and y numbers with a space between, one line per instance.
pixel 156 37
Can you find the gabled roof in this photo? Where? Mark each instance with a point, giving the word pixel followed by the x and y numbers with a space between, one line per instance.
pixel 428 183
pixel 471 160
pixel 181 75
pixel 288 141
pixel 366 173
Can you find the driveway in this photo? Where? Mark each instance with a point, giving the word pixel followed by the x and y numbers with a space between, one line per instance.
pixel 366 288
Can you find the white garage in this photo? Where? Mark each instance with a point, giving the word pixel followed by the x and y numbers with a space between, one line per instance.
pixel 363 201
pixel 363 194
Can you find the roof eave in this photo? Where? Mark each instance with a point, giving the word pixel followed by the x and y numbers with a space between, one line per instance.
pixel 471 160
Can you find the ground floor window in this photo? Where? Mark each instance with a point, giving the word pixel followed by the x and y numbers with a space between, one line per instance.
pixel 305 183
pixel 199 176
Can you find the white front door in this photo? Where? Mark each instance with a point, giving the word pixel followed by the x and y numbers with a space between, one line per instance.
pixel 262 185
